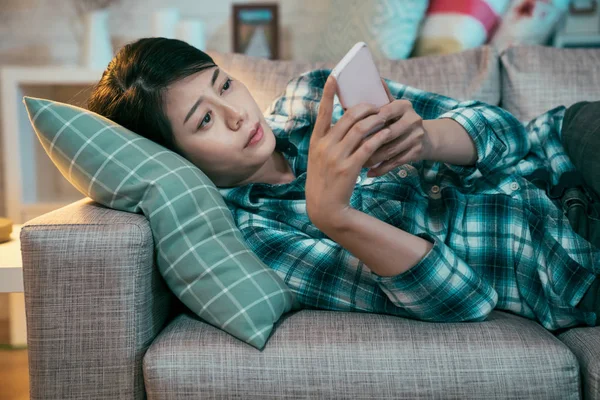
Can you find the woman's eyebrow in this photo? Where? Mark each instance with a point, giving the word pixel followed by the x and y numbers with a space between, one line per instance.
pixel 195 106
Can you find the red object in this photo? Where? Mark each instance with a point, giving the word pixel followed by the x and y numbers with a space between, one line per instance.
pixel 525 9
pixel 478 9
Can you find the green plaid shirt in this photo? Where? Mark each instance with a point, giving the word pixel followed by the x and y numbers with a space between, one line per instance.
pixel 498 240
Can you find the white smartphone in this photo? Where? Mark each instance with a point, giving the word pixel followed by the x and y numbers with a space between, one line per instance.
pixel 358 80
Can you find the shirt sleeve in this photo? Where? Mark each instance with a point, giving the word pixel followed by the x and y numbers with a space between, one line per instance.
pixel 297 107
pixel 440 287
pixel 308 265
pixel 500 139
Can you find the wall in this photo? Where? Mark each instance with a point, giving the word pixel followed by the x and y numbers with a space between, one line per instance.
pixel 40 32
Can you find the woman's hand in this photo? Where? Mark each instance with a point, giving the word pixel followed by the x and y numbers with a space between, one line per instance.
pixel 409 140
pixel 336 155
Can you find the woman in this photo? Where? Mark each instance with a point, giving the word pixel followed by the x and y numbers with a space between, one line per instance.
pixel 449 226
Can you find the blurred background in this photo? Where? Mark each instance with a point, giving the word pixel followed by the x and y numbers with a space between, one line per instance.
pixel 57 49
pixel 53 32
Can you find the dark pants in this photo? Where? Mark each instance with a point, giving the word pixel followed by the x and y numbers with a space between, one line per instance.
pixel 581 140
pixel 581 200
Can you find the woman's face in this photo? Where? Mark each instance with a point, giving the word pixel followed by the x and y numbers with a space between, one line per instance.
pixel 213 117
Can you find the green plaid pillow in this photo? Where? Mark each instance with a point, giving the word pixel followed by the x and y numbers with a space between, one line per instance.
pixel 201 254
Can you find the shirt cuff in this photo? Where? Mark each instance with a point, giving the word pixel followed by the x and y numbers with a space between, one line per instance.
pixel 488 155
pixel 440 287
pixel 422 270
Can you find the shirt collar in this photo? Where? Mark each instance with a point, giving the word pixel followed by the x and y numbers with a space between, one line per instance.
pixel 289 151
pixel 286 146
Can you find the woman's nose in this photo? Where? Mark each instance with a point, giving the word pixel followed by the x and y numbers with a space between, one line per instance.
pixel 237 116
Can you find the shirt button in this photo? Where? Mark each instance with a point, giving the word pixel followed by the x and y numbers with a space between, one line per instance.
pixel 514 186
pixel 358 179
pixel 402 173
pixel 435 189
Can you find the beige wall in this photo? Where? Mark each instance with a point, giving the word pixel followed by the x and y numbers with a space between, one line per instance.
pixel 46 31
pixel 40 32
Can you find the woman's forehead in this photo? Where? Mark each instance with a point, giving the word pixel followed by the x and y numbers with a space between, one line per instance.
pixel 193 85
pixel 186 92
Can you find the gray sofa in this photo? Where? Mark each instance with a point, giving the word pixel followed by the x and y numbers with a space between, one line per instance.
pixel 101 322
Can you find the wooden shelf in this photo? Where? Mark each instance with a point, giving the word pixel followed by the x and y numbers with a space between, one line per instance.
pixel 11 273
pixel 50 75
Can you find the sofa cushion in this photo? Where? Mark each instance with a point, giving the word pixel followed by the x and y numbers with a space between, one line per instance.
pixel 389 28
pixel 332 354
pixel 536 79
pixel 585 344
pixel 529 22
pixel 200 252
pixel 472 74
pixel 452 26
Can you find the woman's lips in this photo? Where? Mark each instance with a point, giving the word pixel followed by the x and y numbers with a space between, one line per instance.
pixel 258 135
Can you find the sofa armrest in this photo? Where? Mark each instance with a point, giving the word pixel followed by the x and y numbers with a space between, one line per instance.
pixel 94 301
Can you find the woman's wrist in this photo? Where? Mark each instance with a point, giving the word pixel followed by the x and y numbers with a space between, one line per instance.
pixel 385 249
pixel 450 142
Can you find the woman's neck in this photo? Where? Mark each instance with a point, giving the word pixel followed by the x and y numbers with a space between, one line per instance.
pixel 283 167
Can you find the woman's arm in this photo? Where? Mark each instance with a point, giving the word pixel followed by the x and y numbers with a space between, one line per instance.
pixel 385 249
pixel 420 274
pixel 451 143
pixel 501 139
pixel 324 274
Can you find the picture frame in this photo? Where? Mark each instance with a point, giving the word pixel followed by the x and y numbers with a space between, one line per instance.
pixel 583 6
pixel 256 30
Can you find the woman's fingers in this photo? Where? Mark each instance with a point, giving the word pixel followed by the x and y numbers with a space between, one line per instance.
pixel 368 147
pixel 359 131
pixel 397 142
pixel 394 110
pixel 408 155
pixel 323 121
pixel 350 118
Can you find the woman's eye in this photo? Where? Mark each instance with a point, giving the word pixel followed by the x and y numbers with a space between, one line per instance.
pixel 207 118
pixel 226 85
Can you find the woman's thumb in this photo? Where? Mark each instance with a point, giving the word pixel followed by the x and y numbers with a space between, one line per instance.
pixel 326 104
pixel 329 89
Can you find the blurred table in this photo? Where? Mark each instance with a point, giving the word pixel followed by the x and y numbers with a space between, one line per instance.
pixel 11 266
pixel 11 281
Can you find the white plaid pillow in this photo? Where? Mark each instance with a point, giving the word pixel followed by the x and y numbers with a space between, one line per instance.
pixel 201 254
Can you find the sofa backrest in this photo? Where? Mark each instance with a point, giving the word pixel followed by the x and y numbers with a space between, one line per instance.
pixel 525 80
pixel 536 79
pixel 472 74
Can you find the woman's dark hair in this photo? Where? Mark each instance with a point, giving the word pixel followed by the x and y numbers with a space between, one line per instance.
pixel 131 89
